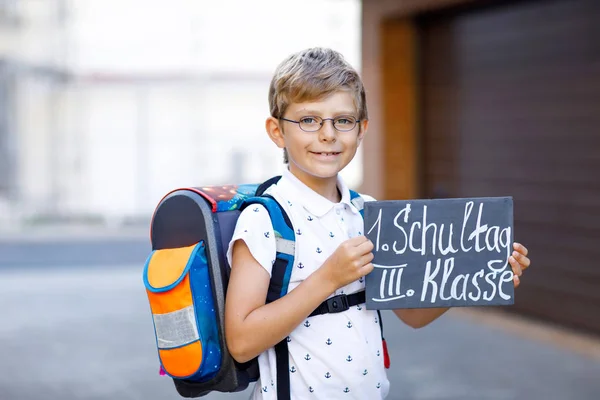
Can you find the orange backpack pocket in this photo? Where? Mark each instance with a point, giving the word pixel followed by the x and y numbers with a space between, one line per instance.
pixel 181 301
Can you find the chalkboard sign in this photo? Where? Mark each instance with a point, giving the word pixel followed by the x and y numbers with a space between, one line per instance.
pixel 440 253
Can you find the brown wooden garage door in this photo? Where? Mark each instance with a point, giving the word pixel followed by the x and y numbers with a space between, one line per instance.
pixel 511 106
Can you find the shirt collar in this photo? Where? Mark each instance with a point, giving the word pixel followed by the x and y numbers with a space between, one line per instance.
pixel 313 202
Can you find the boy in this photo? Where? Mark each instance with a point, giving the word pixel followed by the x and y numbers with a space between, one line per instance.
pixel 319 118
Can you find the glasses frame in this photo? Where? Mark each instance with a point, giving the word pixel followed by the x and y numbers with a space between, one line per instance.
pixel 356 122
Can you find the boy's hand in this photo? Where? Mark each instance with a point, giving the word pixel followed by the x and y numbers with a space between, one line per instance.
pixel 519 262
pixel 350 261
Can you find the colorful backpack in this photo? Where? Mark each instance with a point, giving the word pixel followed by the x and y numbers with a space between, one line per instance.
pixel 186 278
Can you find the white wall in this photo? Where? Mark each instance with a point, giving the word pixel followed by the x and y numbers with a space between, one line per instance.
pixel 137 141
pixel 143 36
pixel 167 94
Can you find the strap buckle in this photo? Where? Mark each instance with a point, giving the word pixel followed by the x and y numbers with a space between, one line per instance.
pixel 337 303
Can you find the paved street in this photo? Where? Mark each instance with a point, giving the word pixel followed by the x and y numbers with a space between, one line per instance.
pixel 76 325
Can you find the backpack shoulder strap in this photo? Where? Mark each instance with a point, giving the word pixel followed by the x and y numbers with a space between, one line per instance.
pixel 280 275
pixel 285 246
pixel 357 201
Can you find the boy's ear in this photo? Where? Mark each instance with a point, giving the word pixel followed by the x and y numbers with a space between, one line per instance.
pixel 364 125
pixel 275 132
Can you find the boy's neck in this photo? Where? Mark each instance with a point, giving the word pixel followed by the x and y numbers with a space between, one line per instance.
pixel 326 187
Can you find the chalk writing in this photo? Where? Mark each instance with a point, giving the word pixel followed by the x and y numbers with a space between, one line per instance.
pixel 432 253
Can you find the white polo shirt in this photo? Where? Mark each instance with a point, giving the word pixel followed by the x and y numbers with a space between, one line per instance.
pixel 331 356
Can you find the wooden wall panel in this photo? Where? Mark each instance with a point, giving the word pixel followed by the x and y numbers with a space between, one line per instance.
pixel 400 151
pixel 511 106
pixel 374 13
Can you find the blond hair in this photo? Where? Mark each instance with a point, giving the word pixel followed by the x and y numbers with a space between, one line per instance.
pixel 312 74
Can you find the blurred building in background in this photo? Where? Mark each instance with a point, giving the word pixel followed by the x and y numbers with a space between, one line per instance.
pixel 107 105
pixel 496 98
pixel 33 77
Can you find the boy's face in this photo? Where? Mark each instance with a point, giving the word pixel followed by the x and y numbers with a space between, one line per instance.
pixel 322 154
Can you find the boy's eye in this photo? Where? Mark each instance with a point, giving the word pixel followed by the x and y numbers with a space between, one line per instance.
pixel 343 121
pixel 308 120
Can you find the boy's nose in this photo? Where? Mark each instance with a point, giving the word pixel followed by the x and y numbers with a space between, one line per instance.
pixel 327 131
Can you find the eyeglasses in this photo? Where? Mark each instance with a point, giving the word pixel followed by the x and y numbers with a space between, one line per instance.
pixel 313 124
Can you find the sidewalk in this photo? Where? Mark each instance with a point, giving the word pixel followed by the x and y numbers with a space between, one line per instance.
pixel 488 354
pixel 584 344
pixel 69 233
pixel 94 324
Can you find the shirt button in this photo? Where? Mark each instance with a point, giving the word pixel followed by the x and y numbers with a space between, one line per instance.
pixel 337 211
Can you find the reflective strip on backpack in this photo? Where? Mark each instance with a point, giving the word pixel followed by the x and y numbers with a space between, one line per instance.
pixel 285 246
pixel 358 202
pixel 176 329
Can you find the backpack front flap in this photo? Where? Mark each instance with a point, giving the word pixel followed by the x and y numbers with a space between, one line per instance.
pixel 186 278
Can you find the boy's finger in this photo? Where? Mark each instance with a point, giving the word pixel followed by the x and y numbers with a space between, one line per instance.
pixel 520 248
pixel 516 281
pixel 366 259
pixel 516 267
pixel 366 269
pixel 365 247
pixel 357 240
pixel 524 261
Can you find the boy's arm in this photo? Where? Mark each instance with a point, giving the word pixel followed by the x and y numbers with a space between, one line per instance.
pixel 251 326
pixel 419 317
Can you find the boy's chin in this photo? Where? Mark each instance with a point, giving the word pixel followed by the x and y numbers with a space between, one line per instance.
pixel 323 173
pixel 318 172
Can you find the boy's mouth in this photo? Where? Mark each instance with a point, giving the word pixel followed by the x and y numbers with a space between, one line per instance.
pixel 322 153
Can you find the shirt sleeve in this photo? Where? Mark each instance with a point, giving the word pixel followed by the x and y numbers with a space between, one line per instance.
pixel 254 227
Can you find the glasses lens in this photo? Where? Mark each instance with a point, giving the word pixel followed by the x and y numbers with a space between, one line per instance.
pixel 310 124
pixel 344 123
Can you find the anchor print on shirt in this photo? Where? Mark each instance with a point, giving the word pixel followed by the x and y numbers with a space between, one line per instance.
pixel 307 324
pixel 378 353
pixel 310 389
pixel 298 232
pixel 327 375
pixel 331 234
pixel 349 358
pixel 289 339
pixel 376 320
pixel 378 385
pixel 349 324
pixel 319 251
pixel 307 357
pixel 346 390
pixel 300 265
pixel 358 307
pixel 328 342
pixel 290 203
pixel 309 218
pixel 365 372
pixel 293 369
pixel 264 388
pixel 361 279
pixel 256 209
